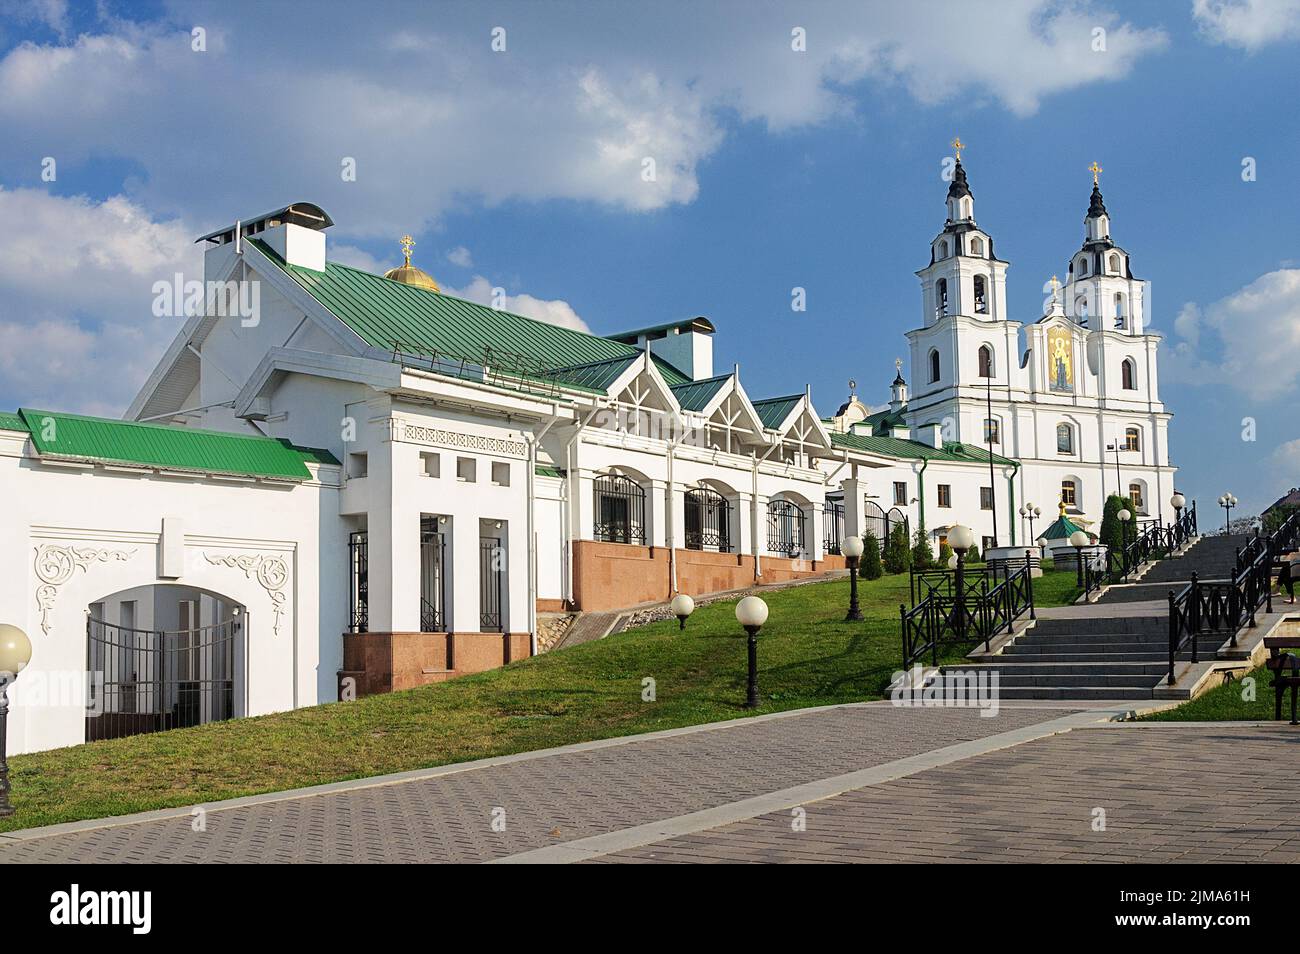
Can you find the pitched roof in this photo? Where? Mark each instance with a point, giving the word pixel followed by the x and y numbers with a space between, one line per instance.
pixel 772 411
pixel 914 450
pixel 696 395
pixel 131 443
pixel 394 316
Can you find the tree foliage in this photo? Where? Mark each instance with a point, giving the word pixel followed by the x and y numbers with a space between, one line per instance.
pixel 869 568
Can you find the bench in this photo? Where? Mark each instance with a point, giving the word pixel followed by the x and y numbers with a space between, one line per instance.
pixel 1286 671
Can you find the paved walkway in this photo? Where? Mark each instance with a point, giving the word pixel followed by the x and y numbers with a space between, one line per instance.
pixel 873 782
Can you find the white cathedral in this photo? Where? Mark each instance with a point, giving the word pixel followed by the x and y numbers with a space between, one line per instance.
pixel 370 485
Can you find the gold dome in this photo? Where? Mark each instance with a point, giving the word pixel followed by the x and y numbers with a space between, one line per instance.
pixel 408 274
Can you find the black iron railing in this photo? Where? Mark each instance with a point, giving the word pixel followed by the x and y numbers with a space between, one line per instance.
pixel 708 520
pixel 1227 607
pixel 620 510
pixel 358 582
pixel 785 528
pixel 433 589
pixel 964 615
pixel 832 527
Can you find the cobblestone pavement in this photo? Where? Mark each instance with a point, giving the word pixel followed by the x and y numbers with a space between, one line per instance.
pixel 1184 793
pixel 546 800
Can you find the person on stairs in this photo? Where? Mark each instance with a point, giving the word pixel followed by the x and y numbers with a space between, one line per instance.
pixel 1284 580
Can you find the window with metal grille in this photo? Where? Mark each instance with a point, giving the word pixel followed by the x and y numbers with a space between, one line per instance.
pixel 492 557
pixel 433 590
pixel 620 510
pixel 708 520
pixel 785 527
pixel 359 582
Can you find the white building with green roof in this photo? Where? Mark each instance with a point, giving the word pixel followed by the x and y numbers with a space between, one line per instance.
pixel 365 484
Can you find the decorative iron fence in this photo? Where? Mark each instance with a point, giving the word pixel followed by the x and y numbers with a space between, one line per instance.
pixel 832 526
pixel 942 621
pixel 152 680
pixel 708 519
pixel 620 510
pixel 785 528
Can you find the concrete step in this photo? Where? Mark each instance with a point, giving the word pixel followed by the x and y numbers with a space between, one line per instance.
pixel 1058 626
pixel 1010 693
pixel 1056 670
pixel 1100 681
pixel 1033 658
pixel 1071 639
pixel 1024 647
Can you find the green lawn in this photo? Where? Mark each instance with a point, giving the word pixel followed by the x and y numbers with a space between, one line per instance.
pixel 808 656
pixel 1228 703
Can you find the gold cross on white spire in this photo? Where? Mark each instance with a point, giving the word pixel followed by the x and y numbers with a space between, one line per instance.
pixel 1096 171
pixel 958 145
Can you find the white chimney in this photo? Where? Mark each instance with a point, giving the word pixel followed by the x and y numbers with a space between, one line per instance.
pixel 902 433
pixel 686 345
pixel 931 435
pixel 295 233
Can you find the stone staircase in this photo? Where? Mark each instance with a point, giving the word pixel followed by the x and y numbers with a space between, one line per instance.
pixel 1116 648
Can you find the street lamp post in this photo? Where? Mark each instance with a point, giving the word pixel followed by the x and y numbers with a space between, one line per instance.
pixel 1178 501
pixel 1227 502
pixel 15 654
pixel 1079 540
pixel 751 612
pixel 1125 516
pixel 853 548
pixel 961 539
pixel 1031 513
pixel 682 606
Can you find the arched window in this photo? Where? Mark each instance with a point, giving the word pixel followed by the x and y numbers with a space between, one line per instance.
pixel 986 361
pixel 981 296
pixel 1081 309
pixel 941 297
pixel 1069 493
pixel 1064 439
pixel 1114 264
pixel 1083 266
pixel 934 365
pixel 620 510
pixel 1132 439
pixel 708 520
pixel 977 246
pixel 1128 372
pixel 785 527
pixel 1135 497
pixel 1121 319
pixel 943 249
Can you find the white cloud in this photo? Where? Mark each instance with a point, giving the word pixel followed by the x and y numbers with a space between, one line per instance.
pixel 461 257
pixel 1284 464
pixel 555 312
pixel 1248 24
pixel 77 331
pixel 355 257
pixel 1257 330
pixel 435 120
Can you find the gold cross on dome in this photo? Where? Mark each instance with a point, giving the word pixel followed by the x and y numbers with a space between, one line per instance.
pixel 1096 171
pixel 1055 285
pixel 958 145
pixel 898 365
pixel 407 244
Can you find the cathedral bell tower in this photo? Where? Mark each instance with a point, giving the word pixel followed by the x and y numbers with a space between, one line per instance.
pixel 963 277
pixel 1101 293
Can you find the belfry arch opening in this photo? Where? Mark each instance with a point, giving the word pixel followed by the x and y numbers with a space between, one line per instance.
pixel 163 656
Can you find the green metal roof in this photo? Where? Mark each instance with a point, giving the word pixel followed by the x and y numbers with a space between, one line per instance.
pixel 772 411
pixel 1061 528
pixel 915 450
pixel 883 421
pixel 543 471
pixel 75 437
pixel 696 395
pixel 394 316
pixel 10 421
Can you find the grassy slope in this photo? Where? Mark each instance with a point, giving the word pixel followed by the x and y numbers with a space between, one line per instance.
pixel 808 656
pixel 1226 703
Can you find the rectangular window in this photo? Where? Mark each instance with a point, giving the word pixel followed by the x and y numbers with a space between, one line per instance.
pixel 945 495
pixel 466 469
pixel 1068 493
pixel 900 493
pixel 501 473
pixel 431 464
pixel 986 498
pixel 619 510
pixel 991 435
pixel 1064 439
pixel 1132 439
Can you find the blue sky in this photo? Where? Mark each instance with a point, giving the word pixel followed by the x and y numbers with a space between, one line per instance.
pixel 776 168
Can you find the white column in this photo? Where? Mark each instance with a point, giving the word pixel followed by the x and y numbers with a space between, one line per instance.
pixel 657 514
pixel 854 495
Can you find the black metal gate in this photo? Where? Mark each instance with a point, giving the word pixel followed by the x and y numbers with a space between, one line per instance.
pixel 708 520
pixel 491 559
pixel 875 522
pixel 832 526
pixel 785 528
pixel 359 583
pixel 150 680
pixel 433 598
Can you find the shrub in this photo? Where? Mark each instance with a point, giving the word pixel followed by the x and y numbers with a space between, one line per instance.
pixel 897 556
pixel 869 567
pixel 945 554
pixel 922 555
